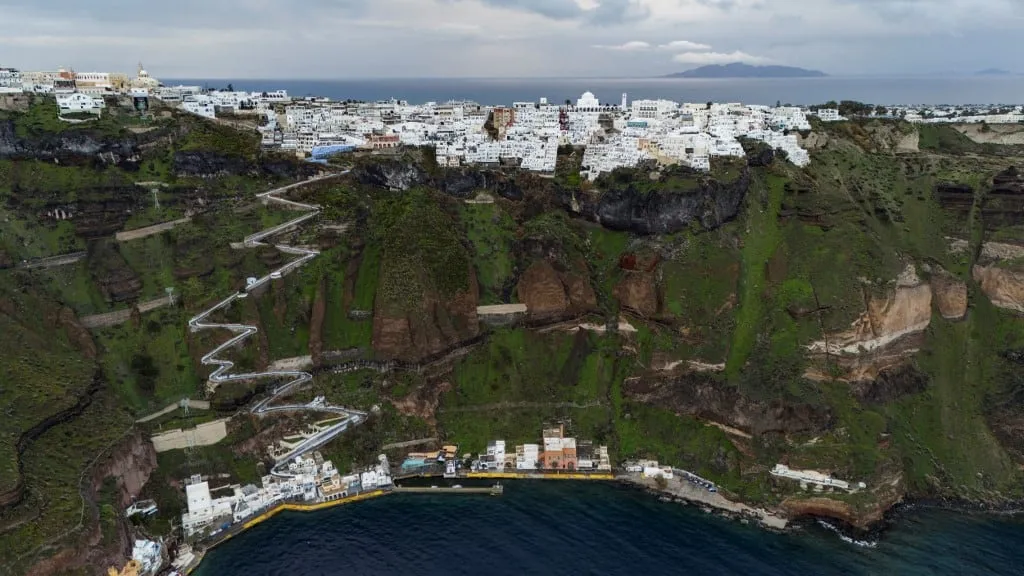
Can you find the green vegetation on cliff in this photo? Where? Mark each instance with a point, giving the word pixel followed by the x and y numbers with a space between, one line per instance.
pixel 827 324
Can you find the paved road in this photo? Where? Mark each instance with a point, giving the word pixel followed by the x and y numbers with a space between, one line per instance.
pixel 136 234
pixel 52 261
pixel 194 404
pixel 122 316
pixel 295 378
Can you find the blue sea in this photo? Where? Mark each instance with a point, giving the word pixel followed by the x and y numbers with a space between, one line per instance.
pixel 547 528
pixel 887 91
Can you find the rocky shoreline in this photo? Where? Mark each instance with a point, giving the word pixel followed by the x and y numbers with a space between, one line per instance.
pixel 680 492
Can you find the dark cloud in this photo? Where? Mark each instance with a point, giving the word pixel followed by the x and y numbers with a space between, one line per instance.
pixel 230 14
pixel 611 12
pixel 607 13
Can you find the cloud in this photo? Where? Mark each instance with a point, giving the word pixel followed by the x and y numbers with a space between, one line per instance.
pixel 631 46
pixel 509 38
pixel 598 12
pixel 684 45
pixel 642 46
pixel 705 58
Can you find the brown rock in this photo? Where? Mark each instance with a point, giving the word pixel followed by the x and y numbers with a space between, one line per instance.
pixel 542 291
pixel 432 327
pixel 78 335
pixel 638 292
pixel 581 294
pixel 423 402
pixel 950 296
pixel 1003 286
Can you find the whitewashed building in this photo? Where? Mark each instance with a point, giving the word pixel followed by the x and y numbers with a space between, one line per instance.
pixel 78 102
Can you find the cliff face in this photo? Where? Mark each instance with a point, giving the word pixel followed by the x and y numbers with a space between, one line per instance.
pixel 681 198
pixel 69 146
pixel 431 326
pixel 699 395
pixel 548 293
pixel 904 311
pixel 130 464
pixel 463 183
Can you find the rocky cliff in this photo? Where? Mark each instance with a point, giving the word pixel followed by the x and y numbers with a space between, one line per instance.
pixel 405 173
pixel 549 293
pixel 429 326
pixel 664 201
pixel 701 395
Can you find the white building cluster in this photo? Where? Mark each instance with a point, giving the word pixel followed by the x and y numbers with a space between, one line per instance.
pixel 557 452
pixel 305 479
pixel 813 477
pixel 528 134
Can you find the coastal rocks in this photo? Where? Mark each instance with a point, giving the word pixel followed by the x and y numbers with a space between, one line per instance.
pixel 679 198
pixel 824 508
pixel 1003 286
pixel 700 395
pixel 548 293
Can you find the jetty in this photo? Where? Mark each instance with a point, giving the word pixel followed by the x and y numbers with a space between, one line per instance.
pixel 496 490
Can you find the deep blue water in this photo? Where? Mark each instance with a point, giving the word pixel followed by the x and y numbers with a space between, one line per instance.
pixel 548 528
pixel 924 90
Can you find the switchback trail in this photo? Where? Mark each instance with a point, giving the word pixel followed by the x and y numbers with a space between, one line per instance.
pixel 221 373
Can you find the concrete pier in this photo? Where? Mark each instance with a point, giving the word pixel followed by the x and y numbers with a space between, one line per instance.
pixel 495 490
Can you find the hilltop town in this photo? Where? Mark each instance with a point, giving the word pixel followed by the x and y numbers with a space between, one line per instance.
pixel 523 134
pixel 223 304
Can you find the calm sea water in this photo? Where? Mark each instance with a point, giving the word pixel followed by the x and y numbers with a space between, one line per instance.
pixel 948 90
pixel 578 528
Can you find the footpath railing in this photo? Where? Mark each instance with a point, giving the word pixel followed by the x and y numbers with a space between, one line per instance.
pixel 221 374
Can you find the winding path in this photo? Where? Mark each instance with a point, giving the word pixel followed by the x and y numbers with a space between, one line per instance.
pixel 243 331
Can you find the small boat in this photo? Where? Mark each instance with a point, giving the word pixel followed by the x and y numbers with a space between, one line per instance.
pixel 457 486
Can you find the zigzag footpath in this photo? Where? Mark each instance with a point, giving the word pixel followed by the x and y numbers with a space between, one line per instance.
pixel 295 378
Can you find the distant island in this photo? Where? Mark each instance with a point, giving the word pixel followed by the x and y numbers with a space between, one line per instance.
pixel 740 70
pixel 993 72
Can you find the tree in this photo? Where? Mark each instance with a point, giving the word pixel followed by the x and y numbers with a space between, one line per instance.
pixel 231 87
pixel 660 482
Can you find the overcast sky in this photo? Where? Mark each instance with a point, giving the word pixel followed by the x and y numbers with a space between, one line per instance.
pixel 507 38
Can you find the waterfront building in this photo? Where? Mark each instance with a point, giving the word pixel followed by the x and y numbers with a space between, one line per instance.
pixel 203 511
pixel 813 477
pixel 527 456
pixel 149 555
